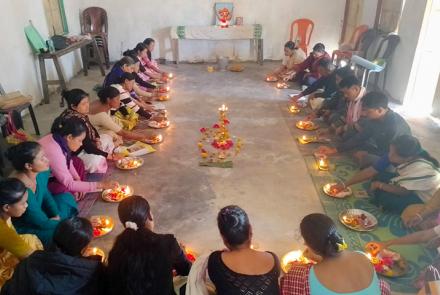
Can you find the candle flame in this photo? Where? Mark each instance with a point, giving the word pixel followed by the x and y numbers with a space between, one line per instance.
pixel 107 222
pixel 94 250
pixel 304 137
pixel 170 75
pixel 168 88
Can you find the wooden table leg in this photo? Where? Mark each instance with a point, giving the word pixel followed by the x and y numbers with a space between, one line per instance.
pixel 61 79
pixel 85 60
pixel 43 75
pixel 98 52
pixel 34 120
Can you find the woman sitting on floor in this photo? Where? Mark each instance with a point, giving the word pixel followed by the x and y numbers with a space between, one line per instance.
pixel 151 67
pixel 96 149
pixel 61 269
pixel 142 261
pixel 292 56
pixel 44 211
pixel 125 65
pixel 306 72
pixel 339 272
pixel 415 179
pixel 109 99
pixel 241 270
pixel 142 78
pixel 68 171
pixel 125 88
pixel 13 247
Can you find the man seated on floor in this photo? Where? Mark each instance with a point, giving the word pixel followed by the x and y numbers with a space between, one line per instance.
pixel 307 71
pixel 380 127
pixel 334 107
pixel 327 82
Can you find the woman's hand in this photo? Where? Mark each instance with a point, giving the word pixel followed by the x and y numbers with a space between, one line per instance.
pixel 58 218
pixel 109 184
pixel 296 97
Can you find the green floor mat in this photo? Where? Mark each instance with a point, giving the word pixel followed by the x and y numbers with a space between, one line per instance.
pixel 390 225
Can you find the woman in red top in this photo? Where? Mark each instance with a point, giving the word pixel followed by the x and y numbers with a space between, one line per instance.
pixel 310 64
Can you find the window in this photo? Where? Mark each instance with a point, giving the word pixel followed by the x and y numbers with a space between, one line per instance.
pixel 56 17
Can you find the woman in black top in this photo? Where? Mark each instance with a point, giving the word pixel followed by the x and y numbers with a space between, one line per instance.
pixel 241 270
pixel 60 270
pixel 141 261
pixel 96 148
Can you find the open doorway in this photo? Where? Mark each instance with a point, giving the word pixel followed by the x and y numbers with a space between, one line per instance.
pixel 424 76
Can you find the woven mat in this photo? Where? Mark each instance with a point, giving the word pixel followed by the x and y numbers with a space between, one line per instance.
pixel 390 225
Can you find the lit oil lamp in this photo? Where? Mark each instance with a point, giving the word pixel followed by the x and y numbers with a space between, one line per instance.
pixel 295 256
pixel 306 139
pixel 94 251
pixel 223 108
pixel 281 85
pixel 294 109
pixel 323 164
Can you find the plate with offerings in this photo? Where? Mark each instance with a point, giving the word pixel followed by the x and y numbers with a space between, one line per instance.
pixel 158 125
pixel 358 220
pixel 330 191
pixel 307 125
pixel 118 194
pixel 102 225
pixel 129 163
pixel 387 263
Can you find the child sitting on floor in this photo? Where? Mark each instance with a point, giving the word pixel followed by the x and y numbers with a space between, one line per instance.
pixel 292 56
pixel 414 180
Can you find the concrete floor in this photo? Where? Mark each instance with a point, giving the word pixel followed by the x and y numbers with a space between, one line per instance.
pixel 269 180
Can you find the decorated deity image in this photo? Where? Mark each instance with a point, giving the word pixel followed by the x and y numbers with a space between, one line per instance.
pixel 224 17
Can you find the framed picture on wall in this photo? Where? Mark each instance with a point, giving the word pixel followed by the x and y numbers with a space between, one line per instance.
pixel 223 14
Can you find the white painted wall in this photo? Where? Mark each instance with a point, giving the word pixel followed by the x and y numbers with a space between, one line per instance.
pixel 368 12
pixel 19 67
pixel 403 60
pixel 133 21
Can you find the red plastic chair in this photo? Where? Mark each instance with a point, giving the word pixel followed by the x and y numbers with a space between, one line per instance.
pixel 304 32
